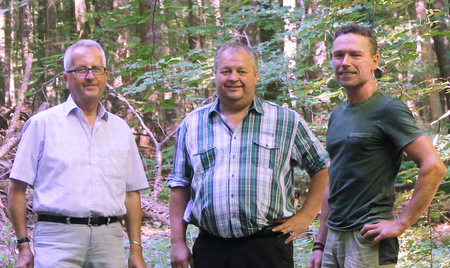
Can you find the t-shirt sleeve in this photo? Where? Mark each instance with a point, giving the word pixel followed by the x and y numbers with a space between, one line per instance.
pixel 399 124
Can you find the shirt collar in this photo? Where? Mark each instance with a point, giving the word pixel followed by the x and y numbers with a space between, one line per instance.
pixel 71 106
pixel 256 106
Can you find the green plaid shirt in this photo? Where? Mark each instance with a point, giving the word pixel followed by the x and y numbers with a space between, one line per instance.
pixel 242 179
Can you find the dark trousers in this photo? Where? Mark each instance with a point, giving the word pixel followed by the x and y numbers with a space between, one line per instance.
pixel 260 252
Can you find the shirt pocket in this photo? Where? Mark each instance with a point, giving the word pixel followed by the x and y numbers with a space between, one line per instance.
pixel 114 163
pixel 204 160
pixel 265 153
pixel 358 145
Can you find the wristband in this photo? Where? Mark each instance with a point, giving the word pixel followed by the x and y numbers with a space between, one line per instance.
pixel 20 241
pixel 318 246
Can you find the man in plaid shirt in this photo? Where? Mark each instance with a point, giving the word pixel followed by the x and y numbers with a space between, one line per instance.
pixel 233 174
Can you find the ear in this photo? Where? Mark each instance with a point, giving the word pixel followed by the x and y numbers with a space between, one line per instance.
pixel 256 77
pixel 376 61
pixel 66 79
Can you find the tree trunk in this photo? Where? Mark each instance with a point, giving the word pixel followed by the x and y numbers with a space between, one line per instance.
pixel 428 61
pixel 217 12
pixel 290 42
pixel 80 17
pixel 192 22
pixel 122 50
pixel 12 134
pixel 149 32
pixel 3 5
pixel 442 46
pixel 50 28
pixel 10 98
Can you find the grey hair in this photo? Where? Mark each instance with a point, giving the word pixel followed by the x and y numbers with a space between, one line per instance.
pixel 237 46
pixel 82 43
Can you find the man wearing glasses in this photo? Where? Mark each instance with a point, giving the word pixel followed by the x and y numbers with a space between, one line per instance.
pixel 84 166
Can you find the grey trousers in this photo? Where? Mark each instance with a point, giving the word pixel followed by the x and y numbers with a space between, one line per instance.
pixel 76 245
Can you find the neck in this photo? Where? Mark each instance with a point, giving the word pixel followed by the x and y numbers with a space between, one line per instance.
pixel 90 111
pixel 355 95
pixel 233 115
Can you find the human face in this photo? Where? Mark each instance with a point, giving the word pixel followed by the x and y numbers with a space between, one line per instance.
pixel 236 80
pixel 353 62
pixel 86 89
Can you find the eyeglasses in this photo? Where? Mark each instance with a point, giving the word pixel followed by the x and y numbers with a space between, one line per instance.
pixel 83 71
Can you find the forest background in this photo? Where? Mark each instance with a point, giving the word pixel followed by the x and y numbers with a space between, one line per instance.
pixel 160 57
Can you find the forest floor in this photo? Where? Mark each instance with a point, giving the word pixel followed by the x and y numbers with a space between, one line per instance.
pixel 420 246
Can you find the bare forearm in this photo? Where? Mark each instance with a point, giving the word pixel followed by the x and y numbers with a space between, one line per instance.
pixel 17 211
pixel 179 197
pixel 314 198
pixel 432 170
pixel 180 255
pixel 17 207
pixel 317 254
pixel 423 194
pixel 133 219
pixel 323 229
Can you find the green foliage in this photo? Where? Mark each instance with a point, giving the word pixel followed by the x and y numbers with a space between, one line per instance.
pixel 7 247
pixel 165 65
pixel 154 70
pixel 425 250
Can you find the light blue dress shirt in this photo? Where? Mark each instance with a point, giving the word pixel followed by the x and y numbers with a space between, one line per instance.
pixel 77 172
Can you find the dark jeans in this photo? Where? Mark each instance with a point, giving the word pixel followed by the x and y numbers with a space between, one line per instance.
pixel 214 252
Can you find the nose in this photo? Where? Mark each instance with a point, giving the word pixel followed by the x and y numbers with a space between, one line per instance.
pixel 89 75
pixel 233 76
pixel 346 60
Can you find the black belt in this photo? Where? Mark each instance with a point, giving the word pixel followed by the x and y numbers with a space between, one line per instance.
pixel 90 221
pixel 266 232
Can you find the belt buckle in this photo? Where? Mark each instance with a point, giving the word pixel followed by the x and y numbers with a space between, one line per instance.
pixel 93 221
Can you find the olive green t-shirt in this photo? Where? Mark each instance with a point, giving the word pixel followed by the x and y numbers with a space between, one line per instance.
pixel 365 142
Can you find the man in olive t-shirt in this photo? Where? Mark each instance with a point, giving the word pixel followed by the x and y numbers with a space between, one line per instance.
pixel 366 138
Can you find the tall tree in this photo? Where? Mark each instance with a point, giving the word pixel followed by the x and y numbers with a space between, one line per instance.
pixel 290 43
pixel 3 76
pixel 80 17
pixel 26 33
pixel 425 51
pixel 10 25
pixel 441 21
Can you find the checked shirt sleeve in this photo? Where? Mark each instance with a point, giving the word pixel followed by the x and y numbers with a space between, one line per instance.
pixel 182 172
pixel 308 151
